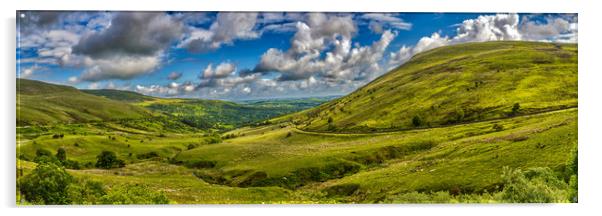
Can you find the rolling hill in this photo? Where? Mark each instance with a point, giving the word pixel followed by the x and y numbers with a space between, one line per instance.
pixel 227 115
pixel 119 95
pixel 40 103
pixel 456 84
pixel 44 103
pixel 482 109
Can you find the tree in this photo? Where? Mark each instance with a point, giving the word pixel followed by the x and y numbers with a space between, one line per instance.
pixel 417 121
pixel 46 184
pixel 45 156
pixel 108 160
pixel 535 185
pixel 515 108
pixel 573 173
pixel 43 152
pixel 61 154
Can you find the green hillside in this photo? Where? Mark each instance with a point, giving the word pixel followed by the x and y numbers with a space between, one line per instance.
pixel 456 84
pixel 40 103
pixel 126 96
pixel 226 115
pixel 481 122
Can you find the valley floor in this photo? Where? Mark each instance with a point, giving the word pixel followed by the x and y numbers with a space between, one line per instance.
pixel 279 163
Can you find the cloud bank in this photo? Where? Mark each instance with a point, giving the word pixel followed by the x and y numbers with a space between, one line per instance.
pixel 324 53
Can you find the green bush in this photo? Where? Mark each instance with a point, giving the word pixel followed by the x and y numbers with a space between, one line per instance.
pixel 200 164
pixel 515 109
pixel 108 160
pixel 148 155
pixel 442 197
pixel 86 192
pixel 191 146
pixel 417 121
pixel 214 140
pixel 342 189
pixel 61 154
pixel 133 194
pixel 535 185
pixel 71 164
pixel 43 152
pixel 573 173
pixel 46 184
pixel 47 159
pixel 498 127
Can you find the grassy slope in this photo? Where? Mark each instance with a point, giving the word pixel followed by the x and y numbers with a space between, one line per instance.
pixel 468 156
pixel 40 103
pixel 126 96
pixel 459 83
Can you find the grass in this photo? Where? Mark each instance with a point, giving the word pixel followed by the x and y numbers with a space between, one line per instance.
pixel 41 103
pixel 469 157
pixel 455 84
pixel 119 95
pixel 455 149
pixel 224 115
pixel 85 143
pixel 464 96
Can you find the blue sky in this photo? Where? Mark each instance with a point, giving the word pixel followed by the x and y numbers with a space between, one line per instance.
pixel 238 56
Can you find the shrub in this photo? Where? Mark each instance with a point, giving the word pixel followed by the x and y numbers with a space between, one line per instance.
pixel 214 140
pixel 71 164
pixel 572 163
pixel 46 184
pixel 108 160
pixel 200 164
pixel 43 152
pixel 134 194
pixel 535 185
pixel 331 127
pixel 148 155
pixel 498 127
pixel 47 159
pixel 86 192
pixel 230 136
pixel 573 179
pixel 459 115
pixel 417 121
pixel 342 189
pixel 61 154
pixel 191 146
pixel 251 179
pixel 515 109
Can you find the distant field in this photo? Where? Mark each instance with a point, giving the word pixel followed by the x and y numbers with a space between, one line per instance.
pixel 224 115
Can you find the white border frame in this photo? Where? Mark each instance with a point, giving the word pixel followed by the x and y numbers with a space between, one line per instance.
pixel 589 101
